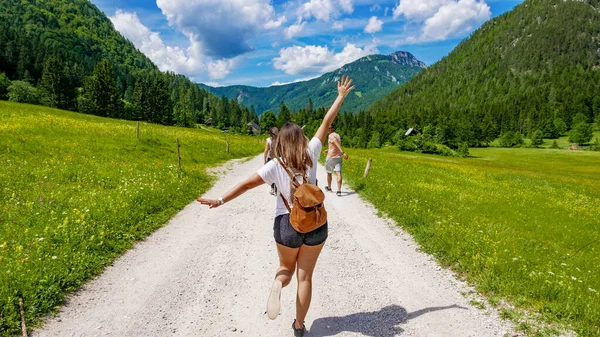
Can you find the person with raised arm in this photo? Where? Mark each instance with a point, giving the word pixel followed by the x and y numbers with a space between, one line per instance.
pixel 297 156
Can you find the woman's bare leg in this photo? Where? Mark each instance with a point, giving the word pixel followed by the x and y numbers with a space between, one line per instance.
pixel 307 259
pixel 287 263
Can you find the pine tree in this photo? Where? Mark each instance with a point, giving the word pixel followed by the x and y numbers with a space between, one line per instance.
pixel 581 133
pixel 56 87
pixel 4 84
pixel 100 95
pixel 268 120
pixel 284 116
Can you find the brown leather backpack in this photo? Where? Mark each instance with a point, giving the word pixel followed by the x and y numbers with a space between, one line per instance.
pixel 309 211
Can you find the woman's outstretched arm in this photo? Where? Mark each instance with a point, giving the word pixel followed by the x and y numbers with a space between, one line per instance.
pixel 254 181
pixel 344 88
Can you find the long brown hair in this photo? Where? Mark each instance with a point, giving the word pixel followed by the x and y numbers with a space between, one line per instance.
pixel 292 147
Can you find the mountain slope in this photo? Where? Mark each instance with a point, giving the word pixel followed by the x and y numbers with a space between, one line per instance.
pixel 55 46
pixel 75 31
pixel 374 76
pixel 518 72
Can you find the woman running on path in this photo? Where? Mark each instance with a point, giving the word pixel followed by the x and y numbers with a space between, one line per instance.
pixel 297 252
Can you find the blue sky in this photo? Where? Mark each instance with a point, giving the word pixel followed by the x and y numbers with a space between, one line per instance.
pixel 270 42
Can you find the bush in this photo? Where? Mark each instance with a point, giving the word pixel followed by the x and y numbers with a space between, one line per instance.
pixel 510 139
pixel 537 138
pixel 445 151
pixel 23 92
pixel 581 133
pixel 398 137
pixel 595 146
pixel 375 141
pixel 560 126
pixel 463 150
pixel 554 145
pixel 418 144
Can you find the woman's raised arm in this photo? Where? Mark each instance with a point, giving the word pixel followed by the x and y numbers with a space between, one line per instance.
pixel 344 88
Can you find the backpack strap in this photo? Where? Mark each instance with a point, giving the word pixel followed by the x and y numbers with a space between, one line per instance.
pixel 285 202
pixel 294 181
pixel 293 177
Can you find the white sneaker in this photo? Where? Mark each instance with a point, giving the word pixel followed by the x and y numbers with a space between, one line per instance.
pixel 273 304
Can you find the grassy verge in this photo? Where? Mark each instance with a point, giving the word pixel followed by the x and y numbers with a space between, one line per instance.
pixel 76 191
pixel 522 225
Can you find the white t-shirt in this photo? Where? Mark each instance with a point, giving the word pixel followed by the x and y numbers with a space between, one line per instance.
pixel 270 145
pixel 272 172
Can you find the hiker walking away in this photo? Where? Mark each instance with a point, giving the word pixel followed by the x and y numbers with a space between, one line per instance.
pixel 333 162
pixel 270 152
pixel 298 251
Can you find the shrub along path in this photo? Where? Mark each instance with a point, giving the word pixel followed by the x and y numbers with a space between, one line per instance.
pixel 208 273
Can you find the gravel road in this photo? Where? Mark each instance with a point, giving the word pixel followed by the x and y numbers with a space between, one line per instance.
pixel 208 273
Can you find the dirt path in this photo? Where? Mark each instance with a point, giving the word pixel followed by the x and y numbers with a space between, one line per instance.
pixel 208 273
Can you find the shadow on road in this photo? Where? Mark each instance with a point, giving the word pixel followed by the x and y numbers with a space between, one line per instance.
pixel 382 323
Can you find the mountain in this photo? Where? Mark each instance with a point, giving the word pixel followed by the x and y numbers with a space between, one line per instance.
pixel 76 32
pixel 67 54
pixel 532 69
pixel 374 76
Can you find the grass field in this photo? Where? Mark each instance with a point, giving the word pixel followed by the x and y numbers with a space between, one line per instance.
pixel 522 225
pixel 76 191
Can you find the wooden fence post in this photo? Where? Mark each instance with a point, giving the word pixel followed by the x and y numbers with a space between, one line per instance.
pixel 137 130
pixel 368 167
pixel 178 154
pixel 23 326
pixel 227 141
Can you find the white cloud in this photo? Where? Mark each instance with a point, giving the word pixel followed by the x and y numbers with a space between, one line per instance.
pixel 275 24
pixel 374 26
pixel 418 9
pixel 443 19
pixel 222 28
pixel 317 59
pixel 374 8
pixel 325 9
pixel 338 25
pixel 221 68
pixel 189 61
pixel 456 18
pixel 294 30
pixel 150 43
pixel 347 6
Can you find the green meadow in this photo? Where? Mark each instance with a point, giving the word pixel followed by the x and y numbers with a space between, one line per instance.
pixel 76 191
pixel 521 225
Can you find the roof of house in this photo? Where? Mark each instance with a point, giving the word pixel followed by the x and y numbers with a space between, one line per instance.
pixel 254 125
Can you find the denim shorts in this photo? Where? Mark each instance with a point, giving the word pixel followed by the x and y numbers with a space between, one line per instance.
pixel 287 236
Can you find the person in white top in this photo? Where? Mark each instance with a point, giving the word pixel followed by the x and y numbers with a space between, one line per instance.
pixel 269 153
pixel 297 252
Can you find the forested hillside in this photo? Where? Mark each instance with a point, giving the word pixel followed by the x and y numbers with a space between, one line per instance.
pixel 374 76
pixel 534 69
pixel 67 54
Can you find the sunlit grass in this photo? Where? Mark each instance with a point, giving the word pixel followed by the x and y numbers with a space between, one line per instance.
pixel 76 191
pixel 520 224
